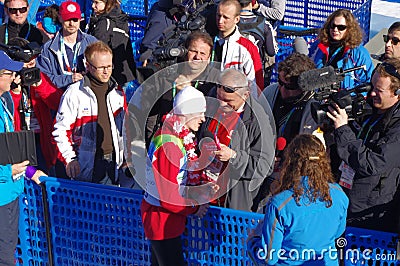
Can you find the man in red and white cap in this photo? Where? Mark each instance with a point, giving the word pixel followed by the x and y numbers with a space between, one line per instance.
pixel 62 57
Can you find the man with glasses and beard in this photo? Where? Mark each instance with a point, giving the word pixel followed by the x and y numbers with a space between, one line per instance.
pixel 88 128
pixel 244 138
pixel 370 154
pixel 62 57
pixel 17 25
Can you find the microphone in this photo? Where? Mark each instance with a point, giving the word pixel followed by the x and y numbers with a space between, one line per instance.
pixel 300 46
pixel 317 78
pixel 280 146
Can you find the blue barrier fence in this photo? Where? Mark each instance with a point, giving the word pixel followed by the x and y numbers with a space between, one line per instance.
pixel 65 222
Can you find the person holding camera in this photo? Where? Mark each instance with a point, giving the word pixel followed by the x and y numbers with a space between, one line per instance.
pixel 340 47
pixel 11 175
pixel 370 151
pixel 291 108
pixel 194 71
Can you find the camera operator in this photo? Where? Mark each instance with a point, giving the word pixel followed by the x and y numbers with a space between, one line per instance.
pixel 194 73
pixel 290 107
pixel 33 104
pixel 370 154
pixel 158 20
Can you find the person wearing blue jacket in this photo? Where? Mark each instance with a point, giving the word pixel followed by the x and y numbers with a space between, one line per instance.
pixel 306 213
pixel 340 47
pixel 62 57
pixel 11 176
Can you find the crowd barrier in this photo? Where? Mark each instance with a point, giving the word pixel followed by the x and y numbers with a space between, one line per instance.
pixel 65 222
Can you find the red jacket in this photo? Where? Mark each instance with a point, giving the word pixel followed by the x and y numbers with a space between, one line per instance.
pixel 46 98
pixel 165 216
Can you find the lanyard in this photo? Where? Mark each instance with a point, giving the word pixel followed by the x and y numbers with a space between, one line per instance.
pixel 370 127
pixel 6 113
pixel 286 121
pixel 65 56
pixel 6 34
pixel 216 39
pixel 174 88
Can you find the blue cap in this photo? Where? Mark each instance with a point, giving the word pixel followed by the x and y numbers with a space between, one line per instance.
pixel 7 63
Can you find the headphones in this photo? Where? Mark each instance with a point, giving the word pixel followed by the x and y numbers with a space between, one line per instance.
pixel 391 70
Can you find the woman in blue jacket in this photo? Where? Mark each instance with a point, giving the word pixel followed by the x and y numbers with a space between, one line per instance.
pixel 340 47
pixel 307 211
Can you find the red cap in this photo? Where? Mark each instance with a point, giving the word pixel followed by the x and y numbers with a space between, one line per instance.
pixel 70 10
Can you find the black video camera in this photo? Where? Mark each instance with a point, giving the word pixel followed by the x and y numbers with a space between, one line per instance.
pixel 171 46
pixel 325 82
pixel 25 54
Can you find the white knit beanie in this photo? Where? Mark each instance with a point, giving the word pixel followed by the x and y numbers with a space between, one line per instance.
pixel 189 101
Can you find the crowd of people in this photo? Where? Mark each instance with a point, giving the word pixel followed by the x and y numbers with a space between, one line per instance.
pixel 216 130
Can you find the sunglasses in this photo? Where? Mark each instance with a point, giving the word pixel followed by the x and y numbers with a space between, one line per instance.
pixel 288 86
pixel 229 89
pixel 14 11
pixel 339 27
pixel 394 40
pixel 390 69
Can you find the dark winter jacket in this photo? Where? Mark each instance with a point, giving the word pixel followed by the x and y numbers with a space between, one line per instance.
pixel 112 28
pixel 26 31
pixel 253 141
pixel 374 157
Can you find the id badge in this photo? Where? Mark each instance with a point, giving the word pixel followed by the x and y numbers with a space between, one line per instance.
pixel 347 177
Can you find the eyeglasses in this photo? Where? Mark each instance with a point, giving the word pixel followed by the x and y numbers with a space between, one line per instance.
pixel 102 68
pixel 387 38
pixel 390 69
pixel 15 10
pixel 229 89
pixel 339 27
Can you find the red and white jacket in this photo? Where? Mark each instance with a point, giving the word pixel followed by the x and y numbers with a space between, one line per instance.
pixel 240 53
pixel 76 122
pixel 163 208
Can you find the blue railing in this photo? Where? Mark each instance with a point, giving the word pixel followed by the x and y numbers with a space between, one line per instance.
pixel 65 222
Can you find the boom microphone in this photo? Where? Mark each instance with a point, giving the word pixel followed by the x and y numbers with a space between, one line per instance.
pixel 300 46
pixel 318 78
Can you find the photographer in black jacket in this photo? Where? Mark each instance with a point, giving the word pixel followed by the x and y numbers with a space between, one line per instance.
pixel 370 154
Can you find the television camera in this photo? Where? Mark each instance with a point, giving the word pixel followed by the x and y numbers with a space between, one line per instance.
pixel 325 83
pixel 24 54
pixel 171 46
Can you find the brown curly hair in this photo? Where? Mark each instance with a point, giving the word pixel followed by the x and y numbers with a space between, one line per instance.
pixel 294 65
pixel 306 156
pixel 354 34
